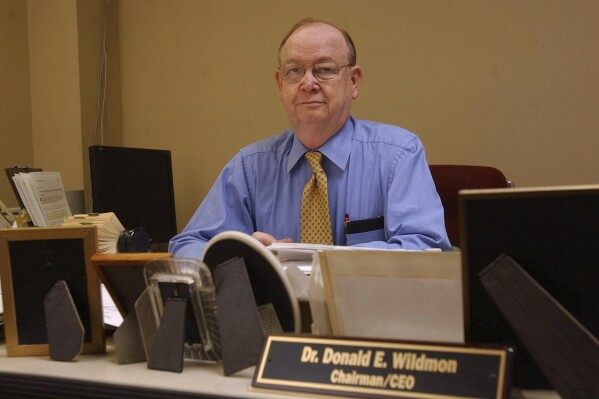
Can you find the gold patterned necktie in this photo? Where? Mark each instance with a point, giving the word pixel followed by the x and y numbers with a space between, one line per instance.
pixel 315 219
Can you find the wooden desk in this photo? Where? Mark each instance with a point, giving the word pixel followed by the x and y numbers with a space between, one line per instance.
pixel 100 376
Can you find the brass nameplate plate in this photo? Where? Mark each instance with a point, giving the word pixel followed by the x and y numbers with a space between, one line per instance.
pixel 376 369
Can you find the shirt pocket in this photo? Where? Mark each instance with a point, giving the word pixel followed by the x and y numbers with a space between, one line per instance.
pixel 365 236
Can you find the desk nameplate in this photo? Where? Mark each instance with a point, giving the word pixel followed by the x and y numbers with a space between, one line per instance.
pixel 377 369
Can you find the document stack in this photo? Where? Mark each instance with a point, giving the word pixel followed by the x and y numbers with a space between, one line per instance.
pixel 109 228
pixel 42 194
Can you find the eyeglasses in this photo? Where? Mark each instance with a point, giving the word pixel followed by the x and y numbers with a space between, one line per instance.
pixel 323 71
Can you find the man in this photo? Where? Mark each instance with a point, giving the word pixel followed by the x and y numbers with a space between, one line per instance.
pixel 380 191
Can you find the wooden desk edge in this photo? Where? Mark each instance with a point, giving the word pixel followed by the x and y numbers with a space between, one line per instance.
pixel 126 258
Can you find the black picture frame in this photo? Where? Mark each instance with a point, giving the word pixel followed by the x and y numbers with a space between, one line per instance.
pixel 32 260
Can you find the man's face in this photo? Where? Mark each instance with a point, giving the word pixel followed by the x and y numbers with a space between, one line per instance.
pixel 320 107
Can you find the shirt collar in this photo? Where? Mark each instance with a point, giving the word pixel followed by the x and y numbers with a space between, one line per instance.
pixel 336 149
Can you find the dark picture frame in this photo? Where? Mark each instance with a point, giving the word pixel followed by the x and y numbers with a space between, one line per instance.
pixel 32 260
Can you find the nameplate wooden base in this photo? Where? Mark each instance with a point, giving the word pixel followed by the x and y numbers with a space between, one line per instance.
pixel 376 369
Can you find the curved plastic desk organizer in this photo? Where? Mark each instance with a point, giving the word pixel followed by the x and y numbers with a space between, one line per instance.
pixel 183 300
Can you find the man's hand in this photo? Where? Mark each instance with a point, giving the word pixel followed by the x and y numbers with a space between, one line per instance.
pixel 267 239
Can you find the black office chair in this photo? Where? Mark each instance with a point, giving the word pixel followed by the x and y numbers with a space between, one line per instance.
pixel 450 179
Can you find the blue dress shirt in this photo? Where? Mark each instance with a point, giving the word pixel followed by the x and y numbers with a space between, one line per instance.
pixel 372 170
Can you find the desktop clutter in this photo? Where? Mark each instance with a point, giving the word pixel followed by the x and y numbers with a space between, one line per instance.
pixel 378 321
pixel 169 305
pixel 239 308
pixel 50 291
pixel 219 310
pixel 43 203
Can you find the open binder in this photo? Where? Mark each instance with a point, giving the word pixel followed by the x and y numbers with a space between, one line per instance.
pixel 41 193
pixel 10 172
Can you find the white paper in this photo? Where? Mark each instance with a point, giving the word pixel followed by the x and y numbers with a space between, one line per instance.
pixel 49 191
pixel 28 197
pixel 112 316
pixel 303 252
pixel 297 251
pixel 298 278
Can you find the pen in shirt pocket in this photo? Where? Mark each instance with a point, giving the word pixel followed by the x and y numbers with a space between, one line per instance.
pixel 364 225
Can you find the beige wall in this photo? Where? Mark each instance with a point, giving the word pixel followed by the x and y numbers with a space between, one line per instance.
pixel 98 37
pixel 55 95
pixel 15 112
pixel 510 83
pixel 50 58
